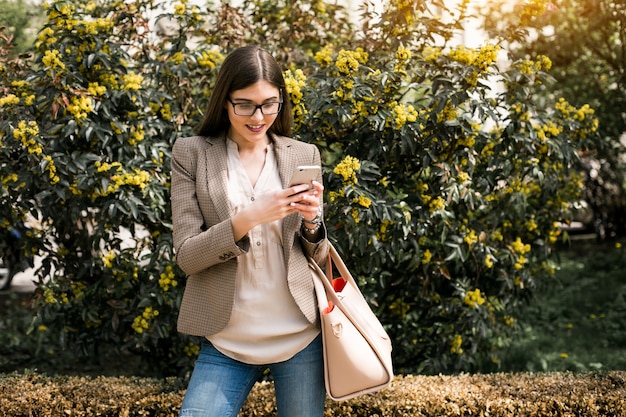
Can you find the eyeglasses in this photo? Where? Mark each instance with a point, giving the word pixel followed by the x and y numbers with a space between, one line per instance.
pixel 248 109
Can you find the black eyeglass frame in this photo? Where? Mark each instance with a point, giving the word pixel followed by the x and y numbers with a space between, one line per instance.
pixel 256 107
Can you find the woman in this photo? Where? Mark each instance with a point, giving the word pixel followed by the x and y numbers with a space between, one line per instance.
pixel 243 237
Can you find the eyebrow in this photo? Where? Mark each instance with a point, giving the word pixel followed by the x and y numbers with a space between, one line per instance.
pixel 273 98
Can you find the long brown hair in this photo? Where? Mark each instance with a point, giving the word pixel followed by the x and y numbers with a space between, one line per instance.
pixel 242 68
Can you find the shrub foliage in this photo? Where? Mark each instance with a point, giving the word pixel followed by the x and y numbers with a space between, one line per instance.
pixel 445 179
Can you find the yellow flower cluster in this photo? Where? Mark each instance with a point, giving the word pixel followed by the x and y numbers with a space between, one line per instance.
pixel 178 58
pixel 402 114
pixel 381 234
pixel 399 307
pixel 348 62
pixel 137 134
pixel 50 298
pixel 455 344
pixel 27 134
pixel 80 107
pixel 166 279
pixel 474 298
pixel 481 58
pixel 431 54
pixel 324 57
pixel 210 59
pixel 191 350
pixel 78 289
pixel 348 168
pixel 463 177
pixel 179 9
pixel 108 258
pixel 531 9
pixel 52 60
pixel 105 166
pixel 470 238
pixel 52 169
pixel 96 89
pixel 132 81
pixel 136 178
pixel 436 204
pixel 550 129
pixel 403 54
pixel 426 256
pixel 46 36
pixel 531 225
pixel 140 323
pixel 448 113
pixel 509 321
pixel 110 80
pixel 363 201
pixel 520 247
pixel 530 67
pixel 488 261
pixel 9 100
pixel 97 26
pixel 295 81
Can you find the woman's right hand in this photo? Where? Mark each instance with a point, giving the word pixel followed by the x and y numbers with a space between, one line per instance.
pixel 270 207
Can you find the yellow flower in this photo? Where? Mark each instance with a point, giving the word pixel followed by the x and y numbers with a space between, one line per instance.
pixel 426 256
pixel 51 59
pixel 80 107
pixel 348 168
pixel 132 81
pixel 324 57
pixel 107 259
pixel 437 204
pixel 9 99
pixel 179 9
pixel 474 298
pixel 520 247
pixel 347 62
pixel 210 59
pixel 455 344
pixel 489 261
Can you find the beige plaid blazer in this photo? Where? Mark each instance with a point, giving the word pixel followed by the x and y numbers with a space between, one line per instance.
pixel 203 237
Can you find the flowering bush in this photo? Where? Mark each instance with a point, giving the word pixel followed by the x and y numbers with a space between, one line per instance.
pixel 442 191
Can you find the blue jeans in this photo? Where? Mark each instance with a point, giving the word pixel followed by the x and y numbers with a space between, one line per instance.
pixel 219 385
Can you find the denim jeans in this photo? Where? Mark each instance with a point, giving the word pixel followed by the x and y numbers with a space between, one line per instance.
pixel 219 385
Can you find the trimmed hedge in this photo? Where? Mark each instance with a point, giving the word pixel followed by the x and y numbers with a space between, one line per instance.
pixel 555 394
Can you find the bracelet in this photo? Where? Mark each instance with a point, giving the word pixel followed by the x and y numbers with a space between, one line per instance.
pixel 314 229
pixel 316 220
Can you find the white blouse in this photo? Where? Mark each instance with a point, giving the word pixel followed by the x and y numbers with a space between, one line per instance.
pixel 266 325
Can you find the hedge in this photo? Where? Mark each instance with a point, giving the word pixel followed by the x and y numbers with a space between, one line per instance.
pixel 525 394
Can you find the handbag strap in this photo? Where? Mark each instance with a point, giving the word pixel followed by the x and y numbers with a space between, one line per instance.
pixel 326 279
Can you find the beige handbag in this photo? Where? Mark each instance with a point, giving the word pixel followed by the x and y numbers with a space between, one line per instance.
pixel 357 349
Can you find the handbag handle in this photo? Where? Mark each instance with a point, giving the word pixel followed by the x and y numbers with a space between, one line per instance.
pixel 323 282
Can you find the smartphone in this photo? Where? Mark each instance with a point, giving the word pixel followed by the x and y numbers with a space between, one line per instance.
pixel 304 174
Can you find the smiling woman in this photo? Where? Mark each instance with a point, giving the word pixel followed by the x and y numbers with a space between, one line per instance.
pixel 240 234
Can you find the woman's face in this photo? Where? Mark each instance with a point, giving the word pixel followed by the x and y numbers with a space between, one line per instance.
pixel 249 124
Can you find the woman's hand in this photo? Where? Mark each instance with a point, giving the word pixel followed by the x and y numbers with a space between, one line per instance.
pixel 307 202
pixel 277 205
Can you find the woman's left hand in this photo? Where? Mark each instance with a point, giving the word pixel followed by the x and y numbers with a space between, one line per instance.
pixel 307 203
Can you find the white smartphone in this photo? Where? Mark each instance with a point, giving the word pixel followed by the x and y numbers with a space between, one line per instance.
pixel 304 174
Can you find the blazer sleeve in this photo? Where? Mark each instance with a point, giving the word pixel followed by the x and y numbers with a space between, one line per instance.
pixel 197 244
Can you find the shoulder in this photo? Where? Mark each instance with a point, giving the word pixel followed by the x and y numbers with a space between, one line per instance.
pixel 191 145
pixel 287 142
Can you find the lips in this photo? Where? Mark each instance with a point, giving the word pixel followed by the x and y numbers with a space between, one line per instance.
pixel 255 128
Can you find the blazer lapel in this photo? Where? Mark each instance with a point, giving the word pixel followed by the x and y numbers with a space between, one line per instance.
pixel 287 163
pixel 217 175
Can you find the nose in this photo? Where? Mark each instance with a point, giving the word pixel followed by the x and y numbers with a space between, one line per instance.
pixel 257 115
